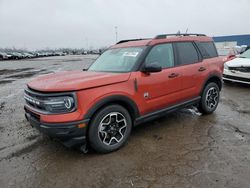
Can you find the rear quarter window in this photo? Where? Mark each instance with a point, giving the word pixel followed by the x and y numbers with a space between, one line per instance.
pixel 207 49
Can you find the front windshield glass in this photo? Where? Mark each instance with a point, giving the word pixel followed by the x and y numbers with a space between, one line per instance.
pixel 117 60
pixel 246 54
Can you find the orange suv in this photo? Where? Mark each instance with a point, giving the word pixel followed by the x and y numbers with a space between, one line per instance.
pixel 132 82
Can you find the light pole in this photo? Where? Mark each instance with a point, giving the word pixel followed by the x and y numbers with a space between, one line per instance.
pixel 116 34
pixel 87 43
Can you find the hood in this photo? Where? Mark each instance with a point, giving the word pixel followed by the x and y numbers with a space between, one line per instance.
pixel 75 80
pixel 239 62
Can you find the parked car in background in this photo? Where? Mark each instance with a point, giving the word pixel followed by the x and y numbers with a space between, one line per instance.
pixel 16 55
pixel 238 69
pixel 228 53
pixel 39 54
pixel 4 56
pixel 27 55
pixel 245 49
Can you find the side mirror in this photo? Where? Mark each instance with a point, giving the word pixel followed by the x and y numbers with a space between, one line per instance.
pixel 152 67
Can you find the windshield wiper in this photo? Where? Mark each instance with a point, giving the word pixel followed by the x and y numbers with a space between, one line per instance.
pixel 84 69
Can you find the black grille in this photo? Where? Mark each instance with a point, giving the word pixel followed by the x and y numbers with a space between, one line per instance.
pixel 241 69
pixel 237 78
pixel 32 97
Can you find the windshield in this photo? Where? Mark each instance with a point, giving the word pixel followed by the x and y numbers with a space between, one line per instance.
pixel 117 60
pixel 246 54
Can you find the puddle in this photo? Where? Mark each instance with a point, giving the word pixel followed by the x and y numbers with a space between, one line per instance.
pixel 71 60
pixel 29 74
pixel 12 71
pixel 6 81
pixel 32 137
pixel 2 104
pixel 191 110
pixel 24 75
pixel 182 149
pixel 239 136
pixel 47 72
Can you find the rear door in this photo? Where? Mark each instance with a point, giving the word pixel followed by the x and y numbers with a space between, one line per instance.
pixel 191 69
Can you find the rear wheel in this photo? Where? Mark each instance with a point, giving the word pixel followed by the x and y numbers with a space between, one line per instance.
pixel 109 129
pixel 209 98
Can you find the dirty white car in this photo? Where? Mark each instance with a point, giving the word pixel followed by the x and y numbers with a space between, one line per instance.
pixel 238 69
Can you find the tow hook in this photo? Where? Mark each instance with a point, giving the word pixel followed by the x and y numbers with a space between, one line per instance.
pixel 83 148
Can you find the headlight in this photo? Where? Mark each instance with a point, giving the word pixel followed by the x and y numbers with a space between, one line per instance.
pixel 51 103
pixel 60 104
pixel 225 66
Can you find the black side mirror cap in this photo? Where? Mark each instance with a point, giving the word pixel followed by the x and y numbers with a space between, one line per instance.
pixel 152 67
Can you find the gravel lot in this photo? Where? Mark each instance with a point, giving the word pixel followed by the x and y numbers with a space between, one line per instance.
pixel 184 149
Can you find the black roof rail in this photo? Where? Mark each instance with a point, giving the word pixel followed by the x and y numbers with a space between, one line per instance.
pixel 163 36
pixel 129 40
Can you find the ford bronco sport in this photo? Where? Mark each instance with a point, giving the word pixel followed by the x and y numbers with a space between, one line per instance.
pixel 132 82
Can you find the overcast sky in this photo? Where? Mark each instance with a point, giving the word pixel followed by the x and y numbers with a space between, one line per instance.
pixel 37 24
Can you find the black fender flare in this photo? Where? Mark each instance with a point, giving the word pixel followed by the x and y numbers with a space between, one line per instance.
pixel 125 101
pixel 210 77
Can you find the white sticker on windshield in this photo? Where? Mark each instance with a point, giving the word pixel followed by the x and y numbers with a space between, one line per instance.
pixel 131 54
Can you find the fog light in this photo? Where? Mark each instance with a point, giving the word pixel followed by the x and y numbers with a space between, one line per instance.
pixel 82 125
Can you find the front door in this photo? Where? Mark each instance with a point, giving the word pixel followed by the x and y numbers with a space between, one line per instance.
pixel 160 89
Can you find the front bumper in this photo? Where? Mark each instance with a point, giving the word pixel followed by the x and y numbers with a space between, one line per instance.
pixel 68 133
pixel 236 76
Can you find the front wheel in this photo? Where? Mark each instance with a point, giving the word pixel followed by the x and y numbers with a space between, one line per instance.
pixel 209 98
pixel 109 129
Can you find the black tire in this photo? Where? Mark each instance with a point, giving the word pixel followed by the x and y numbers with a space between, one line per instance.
pixel 100 131
pixel 207 105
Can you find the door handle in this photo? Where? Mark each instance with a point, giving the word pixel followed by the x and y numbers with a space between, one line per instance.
pixel 202 69
pixel 173 75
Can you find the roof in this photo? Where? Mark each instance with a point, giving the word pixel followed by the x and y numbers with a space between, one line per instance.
pixel 154 41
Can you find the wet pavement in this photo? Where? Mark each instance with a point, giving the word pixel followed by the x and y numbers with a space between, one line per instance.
pixel 184 149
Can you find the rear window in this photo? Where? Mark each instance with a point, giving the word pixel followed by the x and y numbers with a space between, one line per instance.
pixel 207 49
pixel 187 54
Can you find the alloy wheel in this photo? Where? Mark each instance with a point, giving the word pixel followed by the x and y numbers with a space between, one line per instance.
pixel 112 128
pixel 212 97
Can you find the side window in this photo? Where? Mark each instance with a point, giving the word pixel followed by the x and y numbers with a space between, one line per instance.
pixel 163 54
pixel 187 54
pixel 207 49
